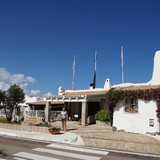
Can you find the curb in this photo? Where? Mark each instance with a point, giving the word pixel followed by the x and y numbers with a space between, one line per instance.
pixel 63 137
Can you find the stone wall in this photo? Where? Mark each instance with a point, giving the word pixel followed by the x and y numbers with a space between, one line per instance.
pixel 24 127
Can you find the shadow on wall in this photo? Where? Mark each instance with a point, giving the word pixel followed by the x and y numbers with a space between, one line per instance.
pixel 118 107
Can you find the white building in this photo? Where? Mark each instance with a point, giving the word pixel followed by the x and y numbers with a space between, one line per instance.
pixel 25 108
pixel 141 119
pixel 85 103
pixel 144 117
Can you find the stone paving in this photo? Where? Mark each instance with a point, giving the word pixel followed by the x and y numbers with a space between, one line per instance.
pixel 101 136
pixel 105 137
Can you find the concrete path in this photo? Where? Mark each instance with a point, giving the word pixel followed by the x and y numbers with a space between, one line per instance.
pixel 96 136
pixel 63 137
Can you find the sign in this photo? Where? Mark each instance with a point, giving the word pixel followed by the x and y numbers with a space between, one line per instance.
pixel 151 122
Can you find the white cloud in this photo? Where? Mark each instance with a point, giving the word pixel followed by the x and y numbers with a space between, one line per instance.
pixel 30 79
pixel 4 74
pixel 48 94
pixel 6 79
pixel 35 92
pixel 20 78
pixel 24 85
pixel 4 86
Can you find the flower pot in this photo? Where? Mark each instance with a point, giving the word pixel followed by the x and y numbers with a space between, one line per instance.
pixel 54 131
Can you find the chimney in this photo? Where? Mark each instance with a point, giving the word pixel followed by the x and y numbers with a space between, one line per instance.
pixel 156 69
pixel 60 90
pixel 107 84
pixel 91 86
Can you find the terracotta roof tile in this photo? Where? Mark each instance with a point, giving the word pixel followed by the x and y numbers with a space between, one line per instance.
pixel 43 103
pixel 86 93
pixel 142 87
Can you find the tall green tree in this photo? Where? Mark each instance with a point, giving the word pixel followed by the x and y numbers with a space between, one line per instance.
pixel 10 100
pixel 2 97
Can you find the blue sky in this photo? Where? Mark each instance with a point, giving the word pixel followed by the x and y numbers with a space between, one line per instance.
pixel 38 39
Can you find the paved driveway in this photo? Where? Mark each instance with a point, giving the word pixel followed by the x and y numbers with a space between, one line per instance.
pixel 104 137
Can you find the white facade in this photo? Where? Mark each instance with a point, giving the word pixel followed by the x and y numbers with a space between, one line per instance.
pixel 24 106
pixel 156 70
pixel 140 122
pixel 144 121
pixel 28 100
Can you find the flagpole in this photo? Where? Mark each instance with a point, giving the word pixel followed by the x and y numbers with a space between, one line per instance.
pixel 73 72
pixel 95 68
pixel 122 63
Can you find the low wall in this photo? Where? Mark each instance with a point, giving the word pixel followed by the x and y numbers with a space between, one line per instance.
pixel 24 127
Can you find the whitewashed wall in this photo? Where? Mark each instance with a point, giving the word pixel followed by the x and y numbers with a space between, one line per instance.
pixel 136 122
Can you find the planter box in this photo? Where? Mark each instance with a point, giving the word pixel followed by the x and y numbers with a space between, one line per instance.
pixel 54 131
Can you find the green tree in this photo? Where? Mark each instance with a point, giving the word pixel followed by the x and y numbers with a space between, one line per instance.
pixel 10 100
pixel 3 97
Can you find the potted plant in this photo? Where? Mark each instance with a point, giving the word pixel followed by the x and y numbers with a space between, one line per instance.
pixel 54 130
pixel 103 116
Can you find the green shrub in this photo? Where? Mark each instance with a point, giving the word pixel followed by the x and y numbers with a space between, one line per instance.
pixel 3 119
pixel 15 122
pixel 103 116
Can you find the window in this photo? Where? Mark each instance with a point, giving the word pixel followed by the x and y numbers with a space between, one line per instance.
pixel 131 105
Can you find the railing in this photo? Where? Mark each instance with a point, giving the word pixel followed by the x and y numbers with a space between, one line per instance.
pixel 54 115
pixel 41 114
pixel 36 113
